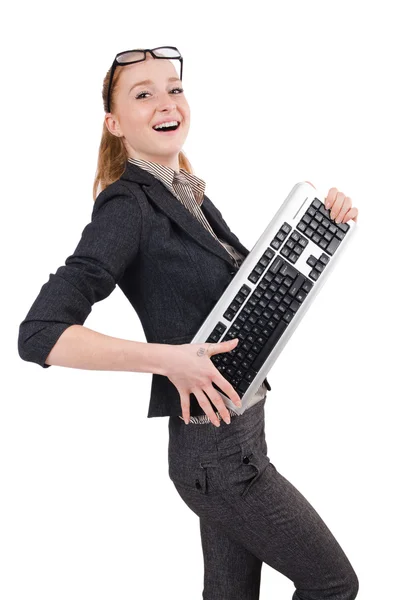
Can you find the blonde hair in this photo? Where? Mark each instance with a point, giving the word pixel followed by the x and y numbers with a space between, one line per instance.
pixel 112 155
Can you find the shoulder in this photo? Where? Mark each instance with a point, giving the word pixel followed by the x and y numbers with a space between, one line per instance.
pixel 117 197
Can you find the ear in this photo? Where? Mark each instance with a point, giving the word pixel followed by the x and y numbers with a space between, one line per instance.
pixel 112 125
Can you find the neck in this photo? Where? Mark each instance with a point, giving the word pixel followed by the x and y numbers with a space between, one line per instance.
pixel 172 162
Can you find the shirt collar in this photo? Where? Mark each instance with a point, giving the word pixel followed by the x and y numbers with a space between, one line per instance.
pixel 170 177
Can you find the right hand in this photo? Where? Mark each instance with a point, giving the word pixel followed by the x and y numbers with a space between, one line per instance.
pixel 192 372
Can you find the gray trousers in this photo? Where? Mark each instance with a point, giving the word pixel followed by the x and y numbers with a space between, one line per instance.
pixel 250 514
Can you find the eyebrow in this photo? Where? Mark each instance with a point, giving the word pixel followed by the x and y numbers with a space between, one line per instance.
pixel 148 81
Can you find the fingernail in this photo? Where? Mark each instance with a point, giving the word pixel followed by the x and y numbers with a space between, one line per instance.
pixel 239 403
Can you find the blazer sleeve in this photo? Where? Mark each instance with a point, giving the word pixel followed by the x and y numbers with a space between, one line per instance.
pixel 108 244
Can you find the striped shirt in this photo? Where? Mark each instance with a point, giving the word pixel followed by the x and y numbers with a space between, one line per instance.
pixel 189 190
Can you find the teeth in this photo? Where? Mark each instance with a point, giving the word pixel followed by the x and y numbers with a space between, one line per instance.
pixel 169 124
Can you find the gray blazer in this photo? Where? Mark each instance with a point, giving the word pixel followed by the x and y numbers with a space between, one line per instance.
pixel 170 268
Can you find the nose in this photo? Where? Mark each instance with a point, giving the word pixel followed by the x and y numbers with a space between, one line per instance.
pixel 165 102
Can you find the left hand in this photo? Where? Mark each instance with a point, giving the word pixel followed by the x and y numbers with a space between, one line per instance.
pixel 341 206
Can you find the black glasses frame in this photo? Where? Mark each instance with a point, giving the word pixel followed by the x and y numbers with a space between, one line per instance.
pixel 151 50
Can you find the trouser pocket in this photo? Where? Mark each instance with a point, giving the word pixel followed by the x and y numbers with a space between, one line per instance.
pixel 246 465
pixel 191 477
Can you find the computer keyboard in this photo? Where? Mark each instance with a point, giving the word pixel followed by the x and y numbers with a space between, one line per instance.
pixel 273 288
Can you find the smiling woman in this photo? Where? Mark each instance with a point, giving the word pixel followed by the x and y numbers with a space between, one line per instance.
pixel 143 95
pixel 155 233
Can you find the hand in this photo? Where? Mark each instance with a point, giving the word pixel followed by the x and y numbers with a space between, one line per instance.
pixel 190 369
pixel 341 206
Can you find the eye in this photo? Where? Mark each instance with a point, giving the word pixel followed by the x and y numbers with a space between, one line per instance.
pixel 180 90
pixel 141 94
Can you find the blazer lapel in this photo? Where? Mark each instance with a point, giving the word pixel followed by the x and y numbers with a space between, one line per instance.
pixel 220 227
pixel 176 211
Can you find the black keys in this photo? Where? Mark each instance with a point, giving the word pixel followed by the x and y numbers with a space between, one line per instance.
pixel 317 225
pixel 268 347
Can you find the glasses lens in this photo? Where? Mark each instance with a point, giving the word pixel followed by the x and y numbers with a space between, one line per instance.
pixel 130 56
pixel 166 52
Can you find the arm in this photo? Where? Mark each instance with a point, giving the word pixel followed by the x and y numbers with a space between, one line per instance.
pixel 108 244
pixel 83 348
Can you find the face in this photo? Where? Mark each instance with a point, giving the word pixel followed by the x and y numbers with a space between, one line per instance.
pixel 137 108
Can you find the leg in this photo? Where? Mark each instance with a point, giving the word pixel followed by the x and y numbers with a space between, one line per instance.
pixel 278 525
pixel 251 510
pixel 248 507
pixel 231 572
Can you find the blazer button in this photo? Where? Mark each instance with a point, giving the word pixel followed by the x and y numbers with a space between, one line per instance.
pixel 198 484
pixel 246 460
pixel 232 272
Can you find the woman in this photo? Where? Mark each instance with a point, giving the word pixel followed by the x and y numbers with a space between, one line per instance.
pixel 157 235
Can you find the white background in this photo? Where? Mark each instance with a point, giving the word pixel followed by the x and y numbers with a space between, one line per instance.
pixel 279 93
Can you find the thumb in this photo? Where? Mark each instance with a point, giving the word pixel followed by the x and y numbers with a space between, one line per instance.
pixel 223 346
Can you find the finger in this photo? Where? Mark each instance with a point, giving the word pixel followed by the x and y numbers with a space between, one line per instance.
pixel 218 401
pixel 330 198
pixel 226 388
pixel 351 214
pixel 344 209
pixel 185 403
pixel 338 203
pixel 206 406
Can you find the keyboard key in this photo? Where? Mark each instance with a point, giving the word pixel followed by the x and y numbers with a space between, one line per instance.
pixel 268 347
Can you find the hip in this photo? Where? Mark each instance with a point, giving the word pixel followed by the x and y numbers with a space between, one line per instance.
pixel 238 448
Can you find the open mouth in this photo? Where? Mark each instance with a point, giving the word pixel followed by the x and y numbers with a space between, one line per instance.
pixel 166 128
